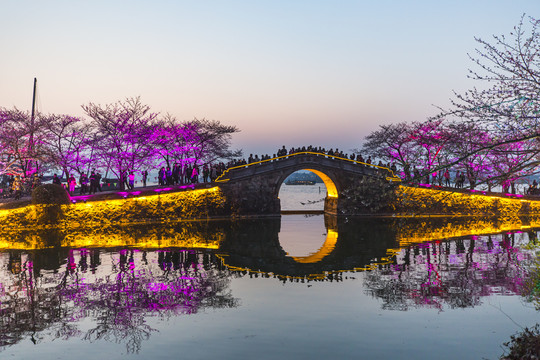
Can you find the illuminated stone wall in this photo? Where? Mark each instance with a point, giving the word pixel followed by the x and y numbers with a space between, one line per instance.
pixel 206 203
pixel 196 204
pixel 424 201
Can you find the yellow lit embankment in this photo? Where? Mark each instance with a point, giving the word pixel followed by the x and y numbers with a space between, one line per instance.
pixel 164 207
pixel 31 242
pixel 426 201
pixel 100 223
pixel 195 204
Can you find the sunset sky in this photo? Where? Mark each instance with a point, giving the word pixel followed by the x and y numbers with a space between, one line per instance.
pixel 285 72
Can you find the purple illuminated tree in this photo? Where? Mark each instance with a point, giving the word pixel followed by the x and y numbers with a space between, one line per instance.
pixel 68 143
pixel 491 133
pixel 174 140
pixel 20 141
pixel 212 141
pixel 507 104
pixel 123 130
pixel 414 145
pixel 392 143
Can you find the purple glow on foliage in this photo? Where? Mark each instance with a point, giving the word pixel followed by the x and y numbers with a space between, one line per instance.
pixel 164 189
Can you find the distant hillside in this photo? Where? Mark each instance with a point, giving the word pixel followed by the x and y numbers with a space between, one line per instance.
pixel 303 176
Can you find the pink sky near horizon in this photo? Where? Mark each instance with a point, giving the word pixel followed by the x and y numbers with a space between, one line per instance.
pixel 285 73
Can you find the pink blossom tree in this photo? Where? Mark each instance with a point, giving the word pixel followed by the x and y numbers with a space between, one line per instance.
pixel 123 130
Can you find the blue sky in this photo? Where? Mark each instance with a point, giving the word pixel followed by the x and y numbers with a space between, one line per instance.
pixel 285 72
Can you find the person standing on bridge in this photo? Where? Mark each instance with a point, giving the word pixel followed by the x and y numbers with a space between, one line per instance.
pixel 144 177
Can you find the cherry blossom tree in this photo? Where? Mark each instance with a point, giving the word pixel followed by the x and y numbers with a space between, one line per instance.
pixel 174 140
pixel 491 132
pixel 68 143
pixel 123 130
pixel 212 141
pixel 21 141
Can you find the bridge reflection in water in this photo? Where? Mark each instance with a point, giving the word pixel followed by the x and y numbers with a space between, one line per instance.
pixel 120 275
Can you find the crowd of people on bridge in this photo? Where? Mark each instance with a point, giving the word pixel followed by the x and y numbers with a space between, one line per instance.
pixel 193 173
pixel 178 174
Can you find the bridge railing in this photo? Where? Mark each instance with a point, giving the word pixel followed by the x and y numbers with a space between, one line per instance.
pixel 392 177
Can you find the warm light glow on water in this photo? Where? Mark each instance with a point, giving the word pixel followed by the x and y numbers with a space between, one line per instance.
pixel 358 286
pixel 299 240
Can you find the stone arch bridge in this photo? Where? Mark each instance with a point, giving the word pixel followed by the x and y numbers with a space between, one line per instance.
pixel 253 189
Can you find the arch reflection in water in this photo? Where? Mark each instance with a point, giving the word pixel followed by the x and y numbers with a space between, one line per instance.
pixel 47 286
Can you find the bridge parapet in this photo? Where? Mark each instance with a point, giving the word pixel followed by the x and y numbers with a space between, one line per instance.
pixel 304 160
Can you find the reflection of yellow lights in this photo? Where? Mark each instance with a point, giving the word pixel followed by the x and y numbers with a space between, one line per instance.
pixel 330 186
pixel 326 249
pixel 415 233
pixel 159 236
pixel 33 243
pixel 151 240
pixel 393 177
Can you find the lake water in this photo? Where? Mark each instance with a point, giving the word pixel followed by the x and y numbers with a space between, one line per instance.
pixel 295 287
pixel 302 197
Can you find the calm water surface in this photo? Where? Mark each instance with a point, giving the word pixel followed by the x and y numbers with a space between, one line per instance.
pixel 302 287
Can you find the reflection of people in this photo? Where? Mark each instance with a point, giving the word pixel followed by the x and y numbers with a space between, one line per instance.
pixel 14 264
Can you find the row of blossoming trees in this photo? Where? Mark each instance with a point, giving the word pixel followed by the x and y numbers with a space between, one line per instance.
pixel 491 133
pixel 119 137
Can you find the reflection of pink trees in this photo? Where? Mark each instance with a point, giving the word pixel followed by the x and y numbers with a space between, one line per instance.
pixel 452 273
pixel 118 291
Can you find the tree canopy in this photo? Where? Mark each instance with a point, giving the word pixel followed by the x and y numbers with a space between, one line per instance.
pixel 119 137
pixel 491 132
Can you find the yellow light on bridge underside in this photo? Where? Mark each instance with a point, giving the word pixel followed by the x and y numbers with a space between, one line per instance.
pixel 330 186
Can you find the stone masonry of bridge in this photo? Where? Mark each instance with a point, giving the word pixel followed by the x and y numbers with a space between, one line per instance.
pixel 253 189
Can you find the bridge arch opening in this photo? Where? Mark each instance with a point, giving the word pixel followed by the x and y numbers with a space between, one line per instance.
pixel 306 190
